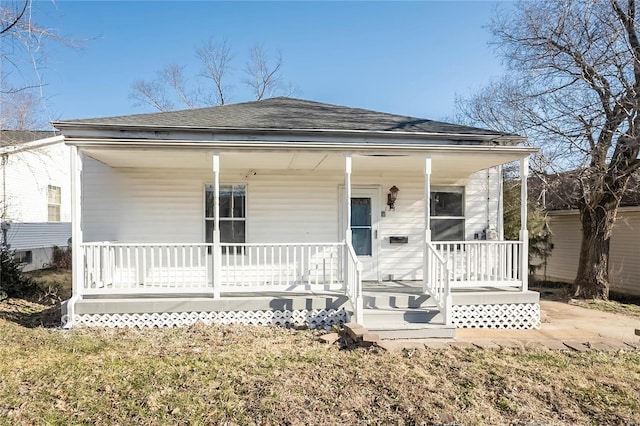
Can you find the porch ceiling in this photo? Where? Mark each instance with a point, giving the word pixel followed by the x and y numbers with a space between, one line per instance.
pixel 444 164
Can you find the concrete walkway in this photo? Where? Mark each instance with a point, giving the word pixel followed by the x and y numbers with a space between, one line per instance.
pixel 565 327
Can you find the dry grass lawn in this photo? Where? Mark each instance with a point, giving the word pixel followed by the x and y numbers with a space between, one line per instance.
pixel 628 309
pixel 260 375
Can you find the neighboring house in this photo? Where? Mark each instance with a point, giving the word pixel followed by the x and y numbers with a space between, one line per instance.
pixel 566 237
pixel 35 195
pixel 277 211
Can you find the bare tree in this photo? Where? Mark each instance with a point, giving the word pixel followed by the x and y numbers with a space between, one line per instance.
pixel 171 89
pixel 22 47
pixel 215 60
pixel 263 75
pixel 574 89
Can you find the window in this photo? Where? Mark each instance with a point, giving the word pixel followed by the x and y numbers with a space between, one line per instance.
pixel 233 205
pixel 447 214
pixel 25 257
pixel 53 203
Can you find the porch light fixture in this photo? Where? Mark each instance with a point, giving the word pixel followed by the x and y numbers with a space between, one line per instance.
pixel 392 196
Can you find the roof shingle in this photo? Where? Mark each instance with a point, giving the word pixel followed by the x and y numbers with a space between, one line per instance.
pixel 19 137
pixel 285 113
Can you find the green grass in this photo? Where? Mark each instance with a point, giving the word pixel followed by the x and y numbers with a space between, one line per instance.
pixel 263 375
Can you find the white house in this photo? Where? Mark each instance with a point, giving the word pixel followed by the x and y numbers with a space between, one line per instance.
pixel 287 210
pixel 36 192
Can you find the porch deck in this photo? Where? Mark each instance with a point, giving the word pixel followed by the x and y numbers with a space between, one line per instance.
pixel 393 309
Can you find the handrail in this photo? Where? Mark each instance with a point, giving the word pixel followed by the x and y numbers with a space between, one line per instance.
pixel 353 282
pixel 119 244
pixel 436 281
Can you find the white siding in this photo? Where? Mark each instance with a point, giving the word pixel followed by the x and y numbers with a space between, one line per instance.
pixel 166 205
pixel 28 175
pixel 624 268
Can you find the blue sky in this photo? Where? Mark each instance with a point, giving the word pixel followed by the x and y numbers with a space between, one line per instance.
pixel 406 58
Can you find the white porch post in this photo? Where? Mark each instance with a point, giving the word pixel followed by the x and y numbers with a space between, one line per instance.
pixel 524 233
pixel 427 223
pixel 347 194
pixel 77 254
pixel 217 250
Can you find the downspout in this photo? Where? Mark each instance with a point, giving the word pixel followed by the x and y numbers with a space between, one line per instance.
pixel 488 204
pixel 5 159
pixel 500 203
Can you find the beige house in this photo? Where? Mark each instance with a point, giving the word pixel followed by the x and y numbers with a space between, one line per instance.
pixel 624 261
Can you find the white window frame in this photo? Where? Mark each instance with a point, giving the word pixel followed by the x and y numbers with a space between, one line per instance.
pixel 460 190
pixel 226 219
pixel 55 204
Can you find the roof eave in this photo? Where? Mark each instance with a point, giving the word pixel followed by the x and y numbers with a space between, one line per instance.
pixel 27 146
pixel 502 139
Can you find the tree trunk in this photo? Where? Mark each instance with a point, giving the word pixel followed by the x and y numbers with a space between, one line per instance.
pixel 592 279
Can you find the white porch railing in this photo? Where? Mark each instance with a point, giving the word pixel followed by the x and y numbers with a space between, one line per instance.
pixel 437 281
pixel 117 268
pixel 280 266
pixel 353 282
pixel 120 268
pixel 482 263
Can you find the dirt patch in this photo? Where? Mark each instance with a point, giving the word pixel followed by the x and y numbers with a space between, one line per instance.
pixel 29 313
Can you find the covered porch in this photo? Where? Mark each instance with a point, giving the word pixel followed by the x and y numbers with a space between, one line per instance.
pixel 293 246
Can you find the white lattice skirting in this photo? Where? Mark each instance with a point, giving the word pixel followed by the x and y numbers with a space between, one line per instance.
pixel 316 318
pixel 519 316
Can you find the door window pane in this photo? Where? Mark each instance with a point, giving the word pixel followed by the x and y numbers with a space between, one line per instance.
pixel 361 240
pixel 361 212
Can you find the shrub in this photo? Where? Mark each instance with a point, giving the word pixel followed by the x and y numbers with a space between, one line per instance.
pixel 61 259
pixel 12 282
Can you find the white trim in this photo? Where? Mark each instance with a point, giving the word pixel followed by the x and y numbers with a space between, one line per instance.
pixel 376 243
pixel 252 132
pixel 367 145
pixel 518 316
pixel 77 259
pixel 462 189
pixel 314 318
pixel 40 143
pixel 246 208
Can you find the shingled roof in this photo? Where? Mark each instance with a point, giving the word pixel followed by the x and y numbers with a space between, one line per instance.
pixel 284 113
pixel 19 137
pixel 561 191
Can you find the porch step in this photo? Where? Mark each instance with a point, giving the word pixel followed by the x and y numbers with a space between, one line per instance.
pixel 428 332
pixel 410 323
pixel 381 300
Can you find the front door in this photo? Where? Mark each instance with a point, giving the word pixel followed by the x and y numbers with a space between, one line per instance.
pixel 364 229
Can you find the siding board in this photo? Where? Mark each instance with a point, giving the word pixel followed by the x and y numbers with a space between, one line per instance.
pixel 624 268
